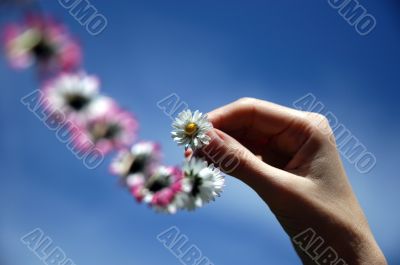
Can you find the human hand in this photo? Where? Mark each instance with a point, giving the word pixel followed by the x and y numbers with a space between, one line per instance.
pixel 289 158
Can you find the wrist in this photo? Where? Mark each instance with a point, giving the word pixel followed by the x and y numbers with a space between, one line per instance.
pixel 367 253
pixel 361 249
pixel 339 248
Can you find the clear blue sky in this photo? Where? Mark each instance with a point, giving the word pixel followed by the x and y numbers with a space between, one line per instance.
pixel 209 53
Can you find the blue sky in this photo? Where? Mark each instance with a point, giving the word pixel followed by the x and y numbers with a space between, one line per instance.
pixel 209 53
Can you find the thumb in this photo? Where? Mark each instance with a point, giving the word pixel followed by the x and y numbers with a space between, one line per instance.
pixel 235 159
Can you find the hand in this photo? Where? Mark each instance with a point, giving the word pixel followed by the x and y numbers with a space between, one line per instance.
pixel 289 158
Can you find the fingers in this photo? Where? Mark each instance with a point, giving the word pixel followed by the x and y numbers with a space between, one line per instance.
pixel 250 116
pixel 236 160
pixel 275 132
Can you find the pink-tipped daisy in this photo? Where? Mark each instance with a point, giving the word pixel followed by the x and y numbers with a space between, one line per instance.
pixel 141 159
pixel 135 183
pixel 41 40
pixel 160 189
pixel 71 94
pixel 111 128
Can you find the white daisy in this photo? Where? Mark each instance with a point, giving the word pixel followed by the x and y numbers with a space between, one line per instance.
pixel 202 183
pixel 191 130
pixel 71 94
pixel 141 159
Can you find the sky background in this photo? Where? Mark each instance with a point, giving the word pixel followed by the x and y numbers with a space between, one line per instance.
pixel 209 53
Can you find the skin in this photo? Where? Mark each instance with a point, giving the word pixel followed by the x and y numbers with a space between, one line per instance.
pixel 289 158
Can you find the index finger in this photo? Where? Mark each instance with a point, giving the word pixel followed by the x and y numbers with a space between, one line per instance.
pixel 259 116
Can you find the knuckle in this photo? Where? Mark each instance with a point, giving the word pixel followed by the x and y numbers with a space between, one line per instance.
pixel 246 101
pixel 318 117
pixel 318 122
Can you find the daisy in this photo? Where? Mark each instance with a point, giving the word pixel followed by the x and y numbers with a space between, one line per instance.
pixel 191 130
pixel 140 160
pixel 135 183
pixel 202 183
pixel 71 94
pixel 108 126
pixel 160 189
pixel 43 41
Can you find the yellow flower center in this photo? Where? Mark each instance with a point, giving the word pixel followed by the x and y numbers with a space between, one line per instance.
pixel 190 128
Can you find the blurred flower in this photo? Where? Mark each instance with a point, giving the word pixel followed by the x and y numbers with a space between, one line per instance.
pixel 43 41
pixel 71 94
pixel 190 130
pixel 108 126
pixel 135 183
pixel 141 159
pixel 202 183
pixel 160 189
